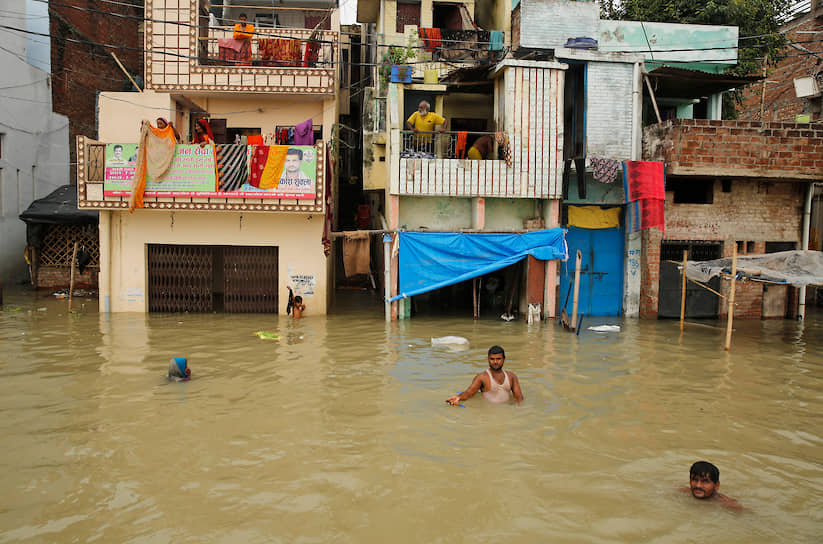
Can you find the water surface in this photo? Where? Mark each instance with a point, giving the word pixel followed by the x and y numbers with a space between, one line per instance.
pixel 338 432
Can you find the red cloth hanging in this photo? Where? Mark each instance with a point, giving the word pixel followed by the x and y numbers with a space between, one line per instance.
pixel 431 38
pixel 460 145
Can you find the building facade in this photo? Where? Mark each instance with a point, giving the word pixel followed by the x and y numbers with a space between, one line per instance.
pixel 212 246
pixel 34 146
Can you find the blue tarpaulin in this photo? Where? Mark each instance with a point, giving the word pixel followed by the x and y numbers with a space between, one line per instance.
pixel 431 260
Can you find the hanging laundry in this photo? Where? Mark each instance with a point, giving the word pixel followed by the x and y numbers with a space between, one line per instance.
pixel 495 40
pixel 356 257
pixel 154 155
pixel 290 138
pixel 267 165
pixel 304 133
pixel 605 170
pixel 232 166
pixel 232 50
pixel 460 145
pixel 580 169
pixel 257 139
pixel 644 186
pixel 431 38
pixel 286 52
pixel 281 136
pixel 594 217
pixel 312 53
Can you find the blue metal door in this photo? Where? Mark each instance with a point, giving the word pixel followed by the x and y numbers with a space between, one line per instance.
pixel 601 271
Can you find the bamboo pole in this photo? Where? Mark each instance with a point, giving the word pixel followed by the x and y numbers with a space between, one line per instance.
pixel 474 298
pixel 654 101
pixel 731 300
pixel 683 290
pixel 128 75
pixel 576 288
pixel 71 281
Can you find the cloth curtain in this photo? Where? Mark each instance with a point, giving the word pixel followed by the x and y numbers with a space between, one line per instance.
pixel 154 156
pixel 644 186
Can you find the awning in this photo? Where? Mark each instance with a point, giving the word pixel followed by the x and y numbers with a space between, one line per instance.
pixel 671 82
pixel 796 268
pixel 431 260
pixel 59 208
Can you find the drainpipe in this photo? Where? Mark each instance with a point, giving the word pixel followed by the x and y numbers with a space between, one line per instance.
pixel 104 286
pixel 637 117
pixel 804 245
pixel 387 240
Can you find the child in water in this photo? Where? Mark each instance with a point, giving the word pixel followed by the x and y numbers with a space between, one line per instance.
pixel 297 311
pixel 179 370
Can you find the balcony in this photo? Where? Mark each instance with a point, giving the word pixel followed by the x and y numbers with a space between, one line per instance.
pixel 435 164
pixel 193 183
pixel 185 55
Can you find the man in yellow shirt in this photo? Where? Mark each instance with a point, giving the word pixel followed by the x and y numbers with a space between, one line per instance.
pixel 424 120
pixel 244 32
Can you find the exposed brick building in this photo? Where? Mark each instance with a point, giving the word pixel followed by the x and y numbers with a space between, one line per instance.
pixel 730 184
pixel 81 66
pixel 803 59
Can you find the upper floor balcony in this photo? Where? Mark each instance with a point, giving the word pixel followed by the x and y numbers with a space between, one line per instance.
pixel 208 178
pixel 194 51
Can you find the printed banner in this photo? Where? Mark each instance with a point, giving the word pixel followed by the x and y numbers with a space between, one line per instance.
pixel 259 171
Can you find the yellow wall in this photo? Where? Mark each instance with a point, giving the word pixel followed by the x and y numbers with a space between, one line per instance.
pixel 124 238
pixel 120 114
pixel 260 111
pixel 469 106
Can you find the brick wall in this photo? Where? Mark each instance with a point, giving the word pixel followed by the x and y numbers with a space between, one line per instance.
pixel 81 70
pixel 753 212
pixel 736 148
pixel 780 103
pixel 59 277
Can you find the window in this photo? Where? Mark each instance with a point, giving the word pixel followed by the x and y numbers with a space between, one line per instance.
pixel 407 14
pixel 691 191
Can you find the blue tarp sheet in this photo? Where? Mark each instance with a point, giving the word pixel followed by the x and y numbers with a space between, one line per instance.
pixel 431 260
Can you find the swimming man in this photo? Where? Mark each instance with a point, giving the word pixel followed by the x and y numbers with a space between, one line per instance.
pixel 497 385
pixel 704 481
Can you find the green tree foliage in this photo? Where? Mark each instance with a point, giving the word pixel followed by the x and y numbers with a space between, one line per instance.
pixel 758 21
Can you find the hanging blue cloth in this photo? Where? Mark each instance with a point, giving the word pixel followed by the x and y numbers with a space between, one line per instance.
pixel 495 40
pixel 431 260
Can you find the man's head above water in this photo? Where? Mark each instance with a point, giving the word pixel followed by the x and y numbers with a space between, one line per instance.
pixel 496 358
pixel 704 480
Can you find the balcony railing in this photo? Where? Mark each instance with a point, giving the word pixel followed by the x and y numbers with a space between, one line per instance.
pixel 444 145
pixel 270 47
pixel 192 182
pixel 462 45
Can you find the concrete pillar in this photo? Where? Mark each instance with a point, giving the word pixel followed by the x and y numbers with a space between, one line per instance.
pixel 551 217
pixel 479 213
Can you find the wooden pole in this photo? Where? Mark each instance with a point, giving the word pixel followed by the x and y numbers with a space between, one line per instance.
pixel 474 298
pixel 128 75
pixel 71 281
pixel 731 300
pixel 654 101
pixel 683 289
pixel 576 288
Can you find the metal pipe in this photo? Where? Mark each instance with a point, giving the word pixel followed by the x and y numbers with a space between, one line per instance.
pixel 387 240
pixel 804 245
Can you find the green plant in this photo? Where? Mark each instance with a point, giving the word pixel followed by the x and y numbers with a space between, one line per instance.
pixel 396 54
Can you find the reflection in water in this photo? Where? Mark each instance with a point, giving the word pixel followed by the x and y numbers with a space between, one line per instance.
pixel 338 431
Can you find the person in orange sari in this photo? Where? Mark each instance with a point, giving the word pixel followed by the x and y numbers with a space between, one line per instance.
pixel 244 32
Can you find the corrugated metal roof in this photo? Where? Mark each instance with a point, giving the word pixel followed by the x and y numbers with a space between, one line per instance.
pixel 674 82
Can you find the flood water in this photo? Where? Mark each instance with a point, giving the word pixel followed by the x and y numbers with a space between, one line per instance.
pixel 338 432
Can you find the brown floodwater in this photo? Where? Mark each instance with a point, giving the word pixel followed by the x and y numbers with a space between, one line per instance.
pixel 338 432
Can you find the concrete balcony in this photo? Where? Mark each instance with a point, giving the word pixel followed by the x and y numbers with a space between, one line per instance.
pixel 193 182
pixel 185 55
pixel 751 149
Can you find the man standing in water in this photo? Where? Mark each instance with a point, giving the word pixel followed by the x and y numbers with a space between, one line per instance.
pixel 496 384
pixel 704 481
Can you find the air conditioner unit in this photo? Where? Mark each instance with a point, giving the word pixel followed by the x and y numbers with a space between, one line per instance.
pixel 806 87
